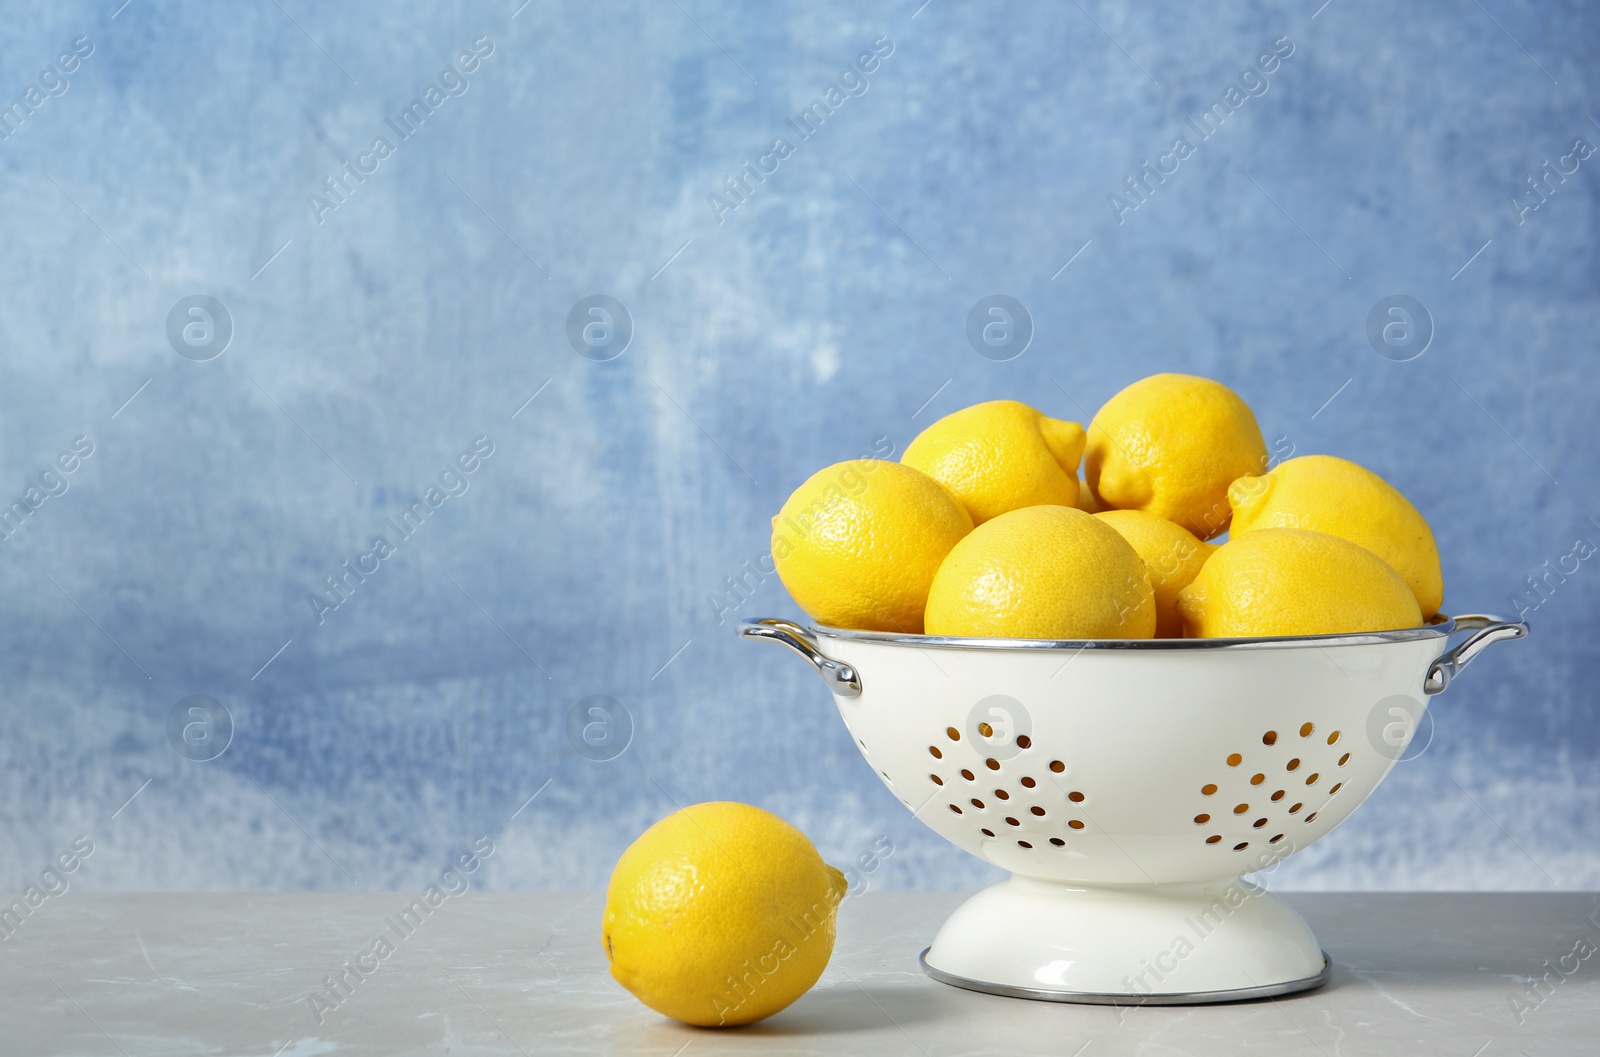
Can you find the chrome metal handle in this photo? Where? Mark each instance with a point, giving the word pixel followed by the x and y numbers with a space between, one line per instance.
pixel 1486 631
pixel 841 678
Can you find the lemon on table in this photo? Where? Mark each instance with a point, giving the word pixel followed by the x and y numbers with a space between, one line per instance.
pixel 1171 555
pixel 1001 455
pixel 1326 494
pixel 1172 444
pixel 1283 581
pixel 858 543
pixel 720 914
pixel 1043 572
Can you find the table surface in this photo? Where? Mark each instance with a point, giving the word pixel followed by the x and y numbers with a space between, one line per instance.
pixel 510 974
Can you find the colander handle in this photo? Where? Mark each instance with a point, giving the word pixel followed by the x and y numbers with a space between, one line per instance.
pixel 841 678
pixel 1486 631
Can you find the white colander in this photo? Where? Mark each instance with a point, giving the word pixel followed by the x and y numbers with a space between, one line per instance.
pixel 1127 786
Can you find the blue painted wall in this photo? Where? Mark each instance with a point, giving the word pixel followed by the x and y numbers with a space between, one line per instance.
pixel 378 330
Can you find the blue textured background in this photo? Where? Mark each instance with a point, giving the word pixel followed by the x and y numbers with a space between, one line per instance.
pixel 821 314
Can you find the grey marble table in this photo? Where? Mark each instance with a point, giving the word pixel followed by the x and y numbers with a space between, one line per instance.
pixel 172 975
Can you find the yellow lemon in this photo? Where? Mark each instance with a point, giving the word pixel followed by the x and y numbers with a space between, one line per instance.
pixel 1171 444
pixel 1000 456
pixel 1043 572
pixel 1281 581
pixel 1171 554
pixel 1336 496
pixel 857 545
pixel 720 914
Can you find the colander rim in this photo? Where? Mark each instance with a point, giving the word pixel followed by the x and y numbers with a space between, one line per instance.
pixel 1438 627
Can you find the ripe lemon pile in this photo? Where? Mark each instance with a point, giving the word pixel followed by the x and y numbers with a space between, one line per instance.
pixel 983 529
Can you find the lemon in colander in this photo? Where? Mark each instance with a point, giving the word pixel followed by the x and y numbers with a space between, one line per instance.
pixel 1043 572
pixel 1282 581
pixel 1327 494
pixel 1171 554
pixel 858 543
pixel 1172 444
pixel 999 456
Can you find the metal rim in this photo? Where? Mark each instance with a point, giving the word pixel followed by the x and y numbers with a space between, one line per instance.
pixel 1178 998
pixel 1439 627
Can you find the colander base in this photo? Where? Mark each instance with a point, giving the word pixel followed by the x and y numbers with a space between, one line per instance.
pixel 1180 998
pixel 1218 941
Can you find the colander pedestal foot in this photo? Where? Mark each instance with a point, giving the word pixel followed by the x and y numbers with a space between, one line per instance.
pixel 1127 945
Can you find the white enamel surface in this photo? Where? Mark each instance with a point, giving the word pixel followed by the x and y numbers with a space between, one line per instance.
pixel 1182 939
pixel 1111 865
pixel 1139 734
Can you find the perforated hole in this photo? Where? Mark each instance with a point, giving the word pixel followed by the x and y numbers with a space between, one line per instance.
pixel 977 803
pixel 987 832
pixel 1028 783
pixel 986 730
pixel 1075 796
pixel 936 779
pixel 957 810
pixel 1312 776
pixel 1024 844
pixel 1037 811
pixel 1057 766
pixel 1075 824
pixel 1241 846
pixel 934 749
pixel 992 764
pixel 968 775
pixel 1276 838
pixel 1002 794
pixel 1311 817
pixel 955 735
pixel 1011 821
pixel 1024 742
pixel 1058 842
